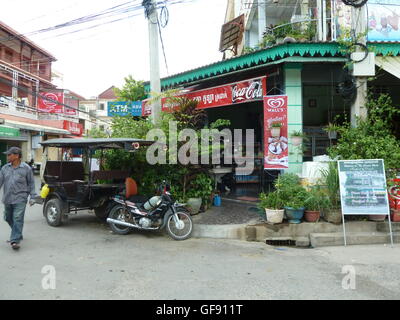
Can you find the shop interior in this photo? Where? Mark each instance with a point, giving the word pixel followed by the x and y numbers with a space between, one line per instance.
pixel 232 184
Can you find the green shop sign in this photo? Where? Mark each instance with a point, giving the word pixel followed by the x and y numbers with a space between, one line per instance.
pixel 9 132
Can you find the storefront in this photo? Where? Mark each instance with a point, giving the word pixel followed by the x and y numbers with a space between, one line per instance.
pixel 309 78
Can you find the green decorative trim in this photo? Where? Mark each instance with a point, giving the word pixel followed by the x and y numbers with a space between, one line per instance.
pixel 330 51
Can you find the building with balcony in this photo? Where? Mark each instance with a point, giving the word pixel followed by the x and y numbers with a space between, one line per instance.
pixel 25 77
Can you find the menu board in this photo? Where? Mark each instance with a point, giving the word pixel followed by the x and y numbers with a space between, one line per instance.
pixel 363 187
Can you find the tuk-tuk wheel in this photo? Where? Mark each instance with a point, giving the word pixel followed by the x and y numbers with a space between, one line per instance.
pixel 53 213
pixel 103 211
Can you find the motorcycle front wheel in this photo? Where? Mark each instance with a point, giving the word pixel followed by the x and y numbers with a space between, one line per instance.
pixel 180 226
pixel 118 212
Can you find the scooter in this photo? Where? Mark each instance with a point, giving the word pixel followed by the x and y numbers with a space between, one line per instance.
pixel 155 214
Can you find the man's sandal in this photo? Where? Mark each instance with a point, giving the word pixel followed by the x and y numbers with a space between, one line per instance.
pixel 15 245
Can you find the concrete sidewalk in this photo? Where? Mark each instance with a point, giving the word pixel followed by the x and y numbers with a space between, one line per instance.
pixel 242 222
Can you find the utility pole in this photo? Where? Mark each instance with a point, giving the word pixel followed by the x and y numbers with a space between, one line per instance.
pixel 359 27
pixel 155 83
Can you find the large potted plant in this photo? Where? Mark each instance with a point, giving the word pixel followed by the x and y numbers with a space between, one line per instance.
pixel 273 206
pixel 292 195
pixel 314 203
pixel 199 191
pixel 294 208
pixel 332 213
pixel 297 138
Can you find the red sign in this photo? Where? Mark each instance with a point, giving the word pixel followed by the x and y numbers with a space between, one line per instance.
pixel 51 102
pixel 73 127
pixel 73 103
pixel 234 93
pixel 276 151
pixel 146 108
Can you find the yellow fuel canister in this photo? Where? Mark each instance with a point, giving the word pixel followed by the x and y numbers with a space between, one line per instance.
pixel 45 191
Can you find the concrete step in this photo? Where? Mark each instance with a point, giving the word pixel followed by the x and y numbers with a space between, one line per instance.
pixel 336 238
pixel 260 232
pixel 384 226
pixel 233 231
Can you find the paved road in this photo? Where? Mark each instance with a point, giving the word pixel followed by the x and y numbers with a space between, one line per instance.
pixel 92 263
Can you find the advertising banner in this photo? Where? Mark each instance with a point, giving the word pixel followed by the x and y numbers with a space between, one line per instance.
pixel 383 20
pixel 51 102
pixel 73 127
pixel 123 108
pixel 276 152
pixel 233 93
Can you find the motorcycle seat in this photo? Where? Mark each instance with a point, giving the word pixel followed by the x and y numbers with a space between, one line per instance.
pixel 137 199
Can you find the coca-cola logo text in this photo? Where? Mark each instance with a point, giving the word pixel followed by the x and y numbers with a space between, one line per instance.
pixel 247 91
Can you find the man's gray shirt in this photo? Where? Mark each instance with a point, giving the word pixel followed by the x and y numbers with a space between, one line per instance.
pixel 18 183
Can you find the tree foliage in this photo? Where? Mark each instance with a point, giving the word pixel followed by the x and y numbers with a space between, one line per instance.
pixel 132 90
pixel 373 137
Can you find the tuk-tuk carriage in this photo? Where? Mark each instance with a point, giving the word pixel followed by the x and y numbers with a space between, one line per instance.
pixel 71 185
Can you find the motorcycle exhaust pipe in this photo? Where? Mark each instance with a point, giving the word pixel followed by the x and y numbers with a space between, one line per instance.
pixel 121 223
pixel 126 224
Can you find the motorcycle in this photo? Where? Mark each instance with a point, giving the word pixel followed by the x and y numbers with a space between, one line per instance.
pixel 156 213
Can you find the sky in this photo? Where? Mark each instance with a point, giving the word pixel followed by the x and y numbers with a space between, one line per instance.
pixel 97 58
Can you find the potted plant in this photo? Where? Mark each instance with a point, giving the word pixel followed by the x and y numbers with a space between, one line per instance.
pixel 292 195
pixel 331 129
pixel 276 129
pixel 332 213
pixel 294 208
pixel 315 202
pixel 273 207
pixel 297 138
pixel 199 191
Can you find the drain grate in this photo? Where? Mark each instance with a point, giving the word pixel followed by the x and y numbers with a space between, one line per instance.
pixel 281 243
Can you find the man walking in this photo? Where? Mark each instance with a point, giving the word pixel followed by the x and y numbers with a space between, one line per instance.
pixel 17 178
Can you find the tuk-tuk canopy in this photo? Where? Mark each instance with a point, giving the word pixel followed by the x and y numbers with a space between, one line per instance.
pixel 96 143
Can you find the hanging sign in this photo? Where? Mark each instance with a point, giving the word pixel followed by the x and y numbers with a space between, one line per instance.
pixel 276 152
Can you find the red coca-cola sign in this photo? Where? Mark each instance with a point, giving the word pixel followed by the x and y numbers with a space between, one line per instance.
pixel 248 90
pixel 51 102
pixel 233 93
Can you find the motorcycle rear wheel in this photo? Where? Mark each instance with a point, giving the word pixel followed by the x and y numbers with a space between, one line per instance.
pixel 184 229
pixel 118 212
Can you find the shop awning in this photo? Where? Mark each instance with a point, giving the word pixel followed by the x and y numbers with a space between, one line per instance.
pixel 389 64
pixel 35 127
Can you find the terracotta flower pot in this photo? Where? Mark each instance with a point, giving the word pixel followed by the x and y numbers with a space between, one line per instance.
pixel 333 215
pixel 395 215
pixel 312 216
pixel 376 217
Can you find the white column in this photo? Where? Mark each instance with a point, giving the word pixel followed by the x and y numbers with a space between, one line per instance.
pixel 262 22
